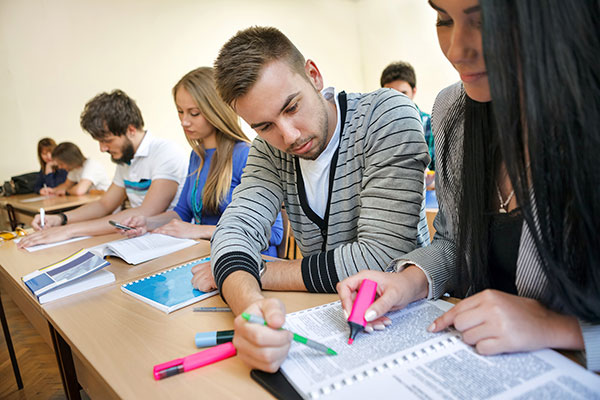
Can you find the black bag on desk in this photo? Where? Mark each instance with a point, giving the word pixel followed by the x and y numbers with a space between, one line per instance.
pixel 24 183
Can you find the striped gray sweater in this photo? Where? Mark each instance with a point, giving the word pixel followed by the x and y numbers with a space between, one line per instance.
pixel 375 211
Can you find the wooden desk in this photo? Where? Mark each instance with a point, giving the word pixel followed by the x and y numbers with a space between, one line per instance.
pixel 111 339
pixel 19 211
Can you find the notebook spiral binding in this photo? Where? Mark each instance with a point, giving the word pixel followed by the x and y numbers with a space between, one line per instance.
pixel 197 261
pixel 390 364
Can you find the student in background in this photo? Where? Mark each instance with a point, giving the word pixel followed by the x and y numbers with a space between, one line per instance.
pixel 401 77
pixel 218 157
pixel 348 166
pixel 50 175
pixel 150 172
pixel 517 230
pixel 84 174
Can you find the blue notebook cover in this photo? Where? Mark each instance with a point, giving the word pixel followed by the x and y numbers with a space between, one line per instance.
pixel 169 290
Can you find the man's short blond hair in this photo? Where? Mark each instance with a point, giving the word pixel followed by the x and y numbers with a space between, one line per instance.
pixel 241 59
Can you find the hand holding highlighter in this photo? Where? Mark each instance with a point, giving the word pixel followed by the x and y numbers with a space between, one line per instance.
pixel 364 299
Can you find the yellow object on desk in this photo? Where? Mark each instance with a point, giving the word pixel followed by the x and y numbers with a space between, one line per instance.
pixel 10 235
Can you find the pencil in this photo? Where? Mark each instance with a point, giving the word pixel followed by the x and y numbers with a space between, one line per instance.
pixel 212 309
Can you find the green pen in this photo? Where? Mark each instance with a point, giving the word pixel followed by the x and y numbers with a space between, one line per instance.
pixel 297 338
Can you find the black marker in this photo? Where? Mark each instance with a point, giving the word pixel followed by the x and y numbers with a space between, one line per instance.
pixel 118 225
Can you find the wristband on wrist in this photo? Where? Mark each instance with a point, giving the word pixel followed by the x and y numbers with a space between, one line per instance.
pixel 64 218
pixel 263 269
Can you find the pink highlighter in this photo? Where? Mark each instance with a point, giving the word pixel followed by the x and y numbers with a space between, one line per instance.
pixel 193 361
pixel 364 299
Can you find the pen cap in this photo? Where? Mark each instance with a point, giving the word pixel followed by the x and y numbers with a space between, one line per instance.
pixel 364 299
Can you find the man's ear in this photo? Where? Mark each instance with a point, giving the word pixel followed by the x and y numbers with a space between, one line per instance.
pixel 414 92
pixel 313 74
pixel 131 131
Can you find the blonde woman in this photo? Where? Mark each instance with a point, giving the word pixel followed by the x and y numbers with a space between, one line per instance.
pixel 220 149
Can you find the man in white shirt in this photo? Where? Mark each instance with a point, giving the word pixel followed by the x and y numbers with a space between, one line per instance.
pixel 150 172
pixel 92 171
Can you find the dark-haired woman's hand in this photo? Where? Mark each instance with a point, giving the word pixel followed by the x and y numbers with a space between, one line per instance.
pixel 394 291
pixel 497 322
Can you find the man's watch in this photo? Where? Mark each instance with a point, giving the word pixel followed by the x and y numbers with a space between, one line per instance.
pixel 64 218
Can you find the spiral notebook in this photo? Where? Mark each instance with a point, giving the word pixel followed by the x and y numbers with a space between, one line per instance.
pixel 168 290
pixel 406 361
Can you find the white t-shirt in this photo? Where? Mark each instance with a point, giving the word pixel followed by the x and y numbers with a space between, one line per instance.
pixel 93 171
pixel 315 173
pixel 154 159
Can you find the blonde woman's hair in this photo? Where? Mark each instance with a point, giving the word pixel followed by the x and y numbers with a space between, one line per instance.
pixel 200 84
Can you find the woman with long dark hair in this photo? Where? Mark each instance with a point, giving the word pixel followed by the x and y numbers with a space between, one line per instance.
pixel 517 181
pixel 50 175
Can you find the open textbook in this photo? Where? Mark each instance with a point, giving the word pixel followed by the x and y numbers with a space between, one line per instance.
pixel 142 248
pixel 406 361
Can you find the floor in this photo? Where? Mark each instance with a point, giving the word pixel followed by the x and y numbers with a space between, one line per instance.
pixel 39 371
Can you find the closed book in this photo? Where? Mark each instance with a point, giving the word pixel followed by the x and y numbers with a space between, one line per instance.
pixel 168 290
pixel 76 273
pixel 96 279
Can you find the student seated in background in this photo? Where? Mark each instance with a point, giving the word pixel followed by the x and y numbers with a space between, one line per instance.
pixel 50 175
pixel 517 182
pixel 150 172
pixel 401 77
pixel 84 174
pixel 349 168
pixel 218 157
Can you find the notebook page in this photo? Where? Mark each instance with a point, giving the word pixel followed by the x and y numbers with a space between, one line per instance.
pixel 309 371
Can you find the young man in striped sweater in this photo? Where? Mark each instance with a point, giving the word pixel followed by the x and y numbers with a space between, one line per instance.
pixel 348 167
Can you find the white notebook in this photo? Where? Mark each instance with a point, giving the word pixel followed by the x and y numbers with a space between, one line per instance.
pixel 142 248
pixel 405 361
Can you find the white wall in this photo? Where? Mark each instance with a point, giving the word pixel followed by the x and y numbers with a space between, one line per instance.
pixel 403 30
pixel 57 54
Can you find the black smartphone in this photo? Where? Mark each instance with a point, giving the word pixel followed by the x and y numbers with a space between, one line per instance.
pixel 118 225
pixel 276 384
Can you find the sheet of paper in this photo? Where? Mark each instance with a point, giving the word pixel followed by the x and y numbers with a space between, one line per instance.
pixel 46 246
pixel 32 199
